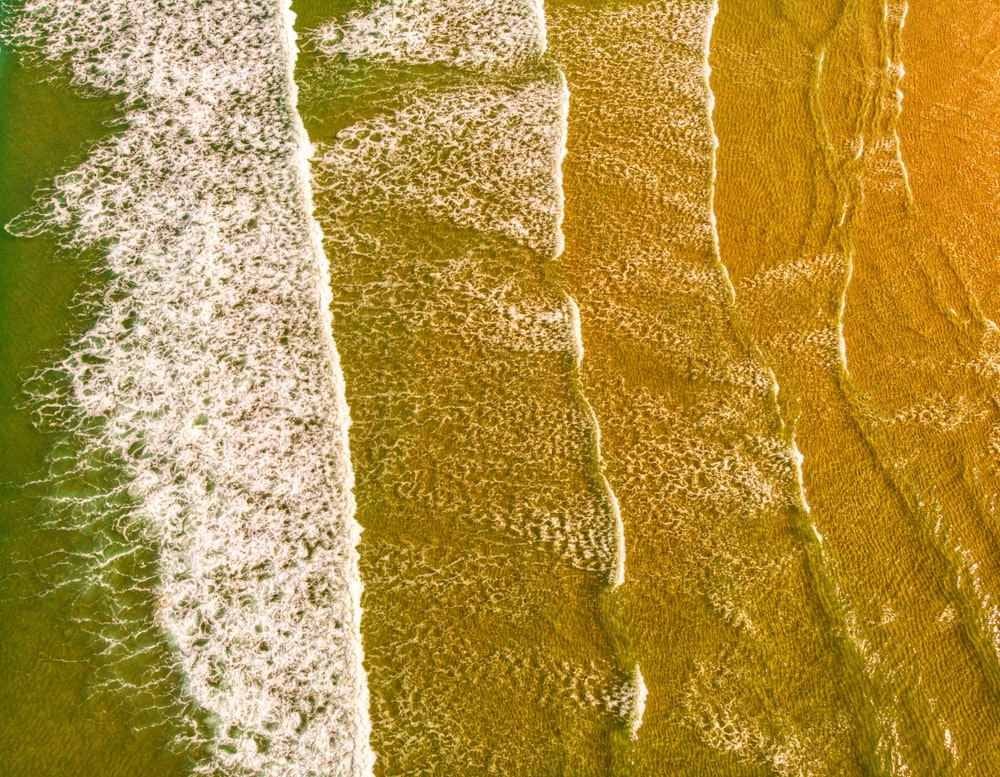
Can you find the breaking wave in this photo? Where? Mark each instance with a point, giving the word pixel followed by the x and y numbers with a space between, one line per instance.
pixel 209 377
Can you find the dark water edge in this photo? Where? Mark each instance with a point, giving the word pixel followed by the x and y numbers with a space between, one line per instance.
pixel 53 720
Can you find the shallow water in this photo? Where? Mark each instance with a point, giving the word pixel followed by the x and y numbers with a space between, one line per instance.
pixel 666 333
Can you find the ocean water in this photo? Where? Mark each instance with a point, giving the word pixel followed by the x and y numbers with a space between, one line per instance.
pixel 465 387
pixel 217 585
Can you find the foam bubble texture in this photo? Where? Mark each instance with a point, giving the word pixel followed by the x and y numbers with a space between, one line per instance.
pixel 473 425
pixel 653 53
pixel 483 35
pixel 485 156
pixel 210 373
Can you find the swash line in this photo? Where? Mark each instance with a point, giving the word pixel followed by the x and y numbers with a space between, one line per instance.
pixel 831 598
pixel 637 702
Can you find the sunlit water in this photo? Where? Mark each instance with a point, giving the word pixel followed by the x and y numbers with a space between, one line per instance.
pixel 457 388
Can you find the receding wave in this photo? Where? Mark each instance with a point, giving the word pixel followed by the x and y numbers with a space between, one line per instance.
pixel 482 154
pixel 441 205
pixel 485 156
pixel 209 377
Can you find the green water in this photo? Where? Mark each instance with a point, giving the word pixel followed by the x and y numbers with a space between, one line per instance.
pixel 54 720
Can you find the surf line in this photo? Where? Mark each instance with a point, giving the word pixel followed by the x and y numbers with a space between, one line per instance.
pixel 209 376
pixel 361 757
pixel 616 574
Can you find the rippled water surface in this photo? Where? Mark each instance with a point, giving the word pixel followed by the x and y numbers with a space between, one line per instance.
pixel 484 387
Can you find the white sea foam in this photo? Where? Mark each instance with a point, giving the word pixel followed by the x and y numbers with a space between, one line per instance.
pixel 210 374
pixel 841 310
pixel 488 34
pixel 639 703
pixel 653 53
pixel 878 150
pixel 618 566
pixel 821 347
pixel 894 19
pixel 807 271
pixel 799 459
pixel 481 150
